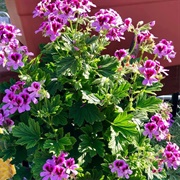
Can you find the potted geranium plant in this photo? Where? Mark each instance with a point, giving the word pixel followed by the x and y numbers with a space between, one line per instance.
pixel 77 113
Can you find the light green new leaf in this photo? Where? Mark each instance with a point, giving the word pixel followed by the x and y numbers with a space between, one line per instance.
pixel 28 135
pixel 150 104
pixel 124 125
pixel 85 112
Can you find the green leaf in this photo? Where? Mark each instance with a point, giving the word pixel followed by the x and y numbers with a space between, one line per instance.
pixel 91 145
pixel 107 65
pixel 28 135
pixel 65 63
pixel 90 97
pixel 7 153
pixel 124 125
pixel 150 104
pixel 121 91
pixel 155 87
pixel 54 86
pixel 85 112
pixel 60 119
pixel 56 146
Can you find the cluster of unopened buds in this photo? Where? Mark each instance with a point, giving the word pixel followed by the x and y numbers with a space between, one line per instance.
pixel 18 98
pixel 120 167
pixel 59 168
pixel 11 52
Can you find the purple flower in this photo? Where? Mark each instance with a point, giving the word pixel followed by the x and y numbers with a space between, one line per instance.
pixel 48 171
pixel 58 13
pixel 4 113
pixel 165 49
pixel 105 19
pixel 71 166
pixel 160 69
pixel 120 54
pixel 15 60
pixel 59 168
pixel 11 53
pixel 54 30
pixel 34 91
pixel 17 105
pixel 9 100
pixel 60 173
pixel 8 33
pixel 143 36
pixel 8 123
pixel 171 155
pixel 151 129
pixel 149 71
pixel 26 101
pixel 149 64
pixel 157 118
pixel 121 168
pixel 163 132
pixel 2 59
pixel 150 77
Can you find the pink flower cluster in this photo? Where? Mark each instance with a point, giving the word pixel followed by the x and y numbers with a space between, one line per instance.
pixel 18 98
pixel 11 53
pixel 158 127
pixel 111 22
pixel 171 155
pixel 165 49
pixel 120 167
pixel 58 13
pixel 151 71
pixel 59 168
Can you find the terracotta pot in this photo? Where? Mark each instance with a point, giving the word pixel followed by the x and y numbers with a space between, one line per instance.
pixel 20 12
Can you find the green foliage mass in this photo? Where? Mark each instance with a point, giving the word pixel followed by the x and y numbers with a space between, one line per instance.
pixel 94 110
